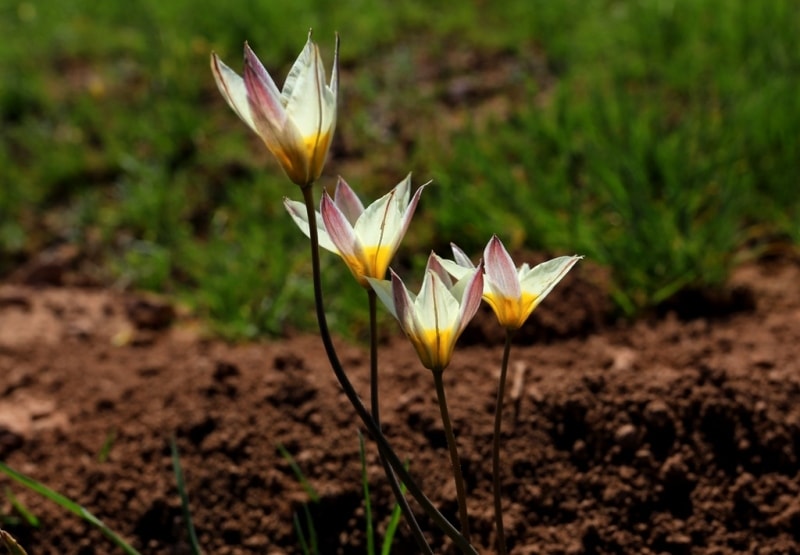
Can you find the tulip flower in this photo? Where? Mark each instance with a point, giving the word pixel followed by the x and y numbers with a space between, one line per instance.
pixel 512 292
pixel 367 239
pixel 434 319
pixel 297 123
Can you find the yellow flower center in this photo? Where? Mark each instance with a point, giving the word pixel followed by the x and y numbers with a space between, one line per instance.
pixel 434 347
pixel 512 313
pixel 317 148
pixel 303 162
pixel 370 262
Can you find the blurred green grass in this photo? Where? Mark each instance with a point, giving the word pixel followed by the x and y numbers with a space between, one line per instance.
pixel 658 138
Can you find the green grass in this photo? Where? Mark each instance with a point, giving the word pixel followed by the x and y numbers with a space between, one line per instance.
pixel 80 511
pixel 656 138
pixel 306 530
pixel 67 504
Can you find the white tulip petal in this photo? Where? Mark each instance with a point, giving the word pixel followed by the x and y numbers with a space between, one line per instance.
pixel 302 66
pixel 460 257
pixel 408 209
pixel 371 225
pixel 541 279
pixel 233 90
pixel 440 302
pixel 297 210
pixel 383 289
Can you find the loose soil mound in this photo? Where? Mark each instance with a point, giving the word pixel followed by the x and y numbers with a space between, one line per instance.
pixel 664 436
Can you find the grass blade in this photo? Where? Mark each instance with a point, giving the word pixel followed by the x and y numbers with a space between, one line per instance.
pixel 301 537
pixel 187 514
pixel 69 505
pixel 394 522
pixel 309 489
pixel 312 532
pixel 26 514
pixel 105 449
pixel 309 546
pixel 11 544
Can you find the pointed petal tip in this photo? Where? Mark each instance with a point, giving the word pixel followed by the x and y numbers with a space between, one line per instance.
pixel 334 83
pixel 215 61
pixel 247 50
pixel 294 207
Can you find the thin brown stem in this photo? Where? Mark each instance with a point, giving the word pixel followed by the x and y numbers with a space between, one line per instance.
pixel 455 461
pixel 375 401
pixel 352 396
pixel 374 389
pixel 498 419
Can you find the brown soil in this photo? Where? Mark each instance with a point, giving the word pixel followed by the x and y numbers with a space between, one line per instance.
pixel 663 436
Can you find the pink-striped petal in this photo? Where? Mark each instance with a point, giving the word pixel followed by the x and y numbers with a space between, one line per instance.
pixel 273 124
pixel 263 87
pixel 500 270
pixel 347 201
pixel 339 229
pixel 435 265
pixel 403 305
pixel 471 300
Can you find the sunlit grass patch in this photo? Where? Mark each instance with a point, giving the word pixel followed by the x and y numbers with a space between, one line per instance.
pixel 658 138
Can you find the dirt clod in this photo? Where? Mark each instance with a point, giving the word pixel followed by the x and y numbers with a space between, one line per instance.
pixel 665 436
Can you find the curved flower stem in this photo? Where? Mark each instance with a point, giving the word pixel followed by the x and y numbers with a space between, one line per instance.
pixel 352 396
pixel 375 401
pixel 374 390
pixel 461 492
pixel 498 418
